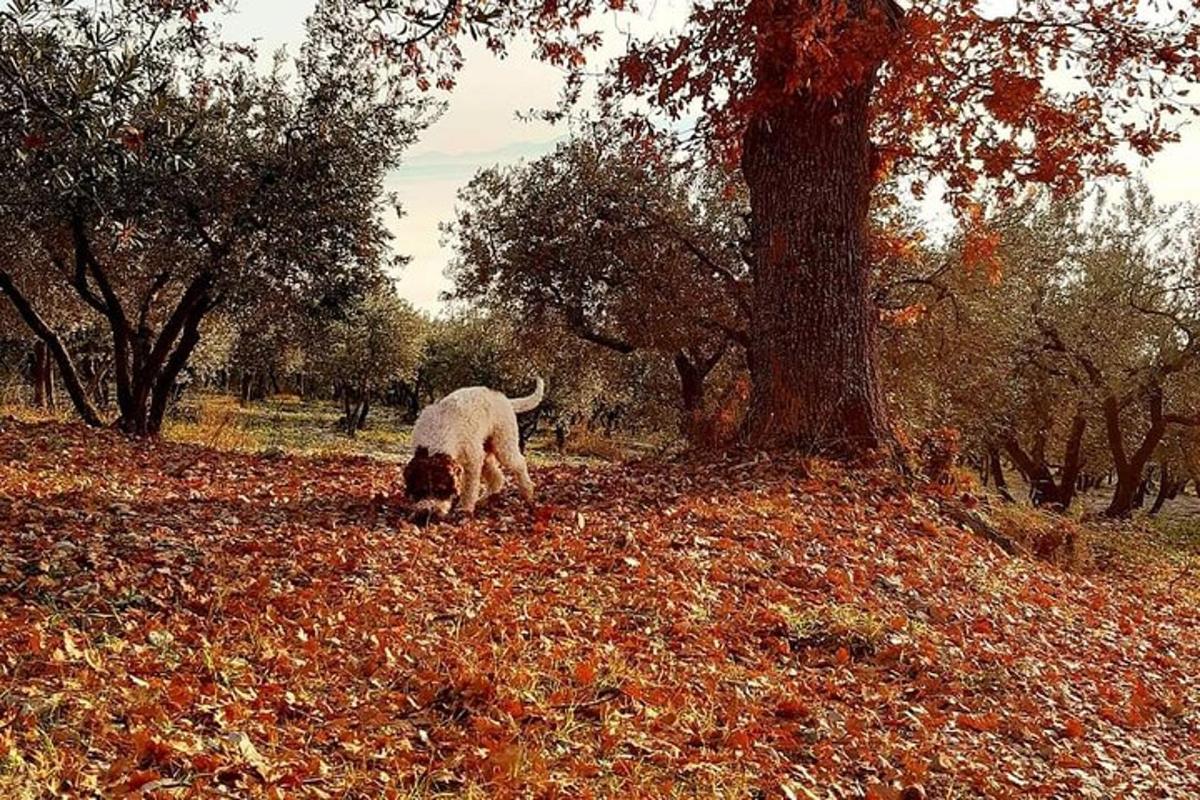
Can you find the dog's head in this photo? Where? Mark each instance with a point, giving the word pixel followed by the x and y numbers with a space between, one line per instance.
pixel 432 481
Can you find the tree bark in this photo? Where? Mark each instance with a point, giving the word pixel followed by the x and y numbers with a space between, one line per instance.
pixel 1044 490
pixel 364 408
pixel 66 365
pixel 164 379
pixel 1167 490
pixel 158 360
pixel 1124 495
pixel 356 404
pixel 1131 467
pixel 527 425
pixel 1072 463
pixel 693 372
pixel 996 468
pixel 814 381
pixel 43 376
pixel 125 353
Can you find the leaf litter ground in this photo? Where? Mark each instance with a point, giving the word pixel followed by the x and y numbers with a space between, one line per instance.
pixel 182 622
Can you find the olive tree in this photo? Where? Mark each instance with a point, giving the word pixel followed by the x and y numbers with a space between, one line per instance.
pixel 608 239
pixel 379 341
pixel 157 177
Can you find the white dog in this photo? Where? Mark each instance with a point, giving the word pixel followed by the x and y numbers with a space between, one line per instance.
pixel 461 442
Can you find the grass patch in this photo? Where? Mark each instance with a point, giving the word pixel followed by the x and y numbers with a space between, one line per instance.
pixel 289 424
pixel 1162 553
pixel 1056 538
pixel 834 626
pixel 1181 536
pixel 286 424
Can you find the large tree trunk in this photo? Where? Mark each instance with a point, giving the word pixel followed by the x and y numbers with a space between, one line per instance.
pixel 1125 494
pixel 815 386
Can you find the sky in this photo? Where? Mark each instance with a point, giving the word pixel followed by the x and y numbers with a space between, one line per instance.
pixel 481 128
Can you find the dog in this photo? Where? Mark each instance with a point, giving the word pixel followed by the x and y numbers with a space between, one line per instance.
pixel 460 443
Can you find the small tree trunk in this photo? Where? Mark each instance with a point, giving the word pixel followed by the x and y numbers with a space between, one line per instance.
pixel 1165 487
pixel 135 410
pixel 691 393
pixel 164 385
pixel 43 377
pixel 1131 467
pixel 1072 463
pixel 1139 497
pixel 66 364
pixel 527 426
pixel 996 468
pixel 364 407
pixel 414 403
pixel 347 411
pixel 1044 490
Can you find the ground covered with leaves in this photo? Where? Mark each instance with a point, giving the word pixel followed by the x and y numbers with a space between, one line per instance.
pixel 183 622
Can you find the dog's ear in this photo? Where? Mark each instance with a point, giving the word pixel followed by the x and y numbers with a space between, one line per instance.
pixel 416 473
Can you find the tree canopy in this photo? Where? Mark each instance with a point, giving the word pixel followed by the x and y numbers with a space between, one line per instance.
pixel 815 102
pixel 615 245
pixel 154 175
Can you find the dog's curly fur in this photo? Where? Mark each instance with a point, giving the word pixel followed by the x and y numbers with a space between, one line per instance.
pixel 461 442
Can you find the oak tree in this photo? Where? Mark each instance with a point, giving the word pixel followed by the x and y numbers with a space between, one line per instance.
pixel 815 101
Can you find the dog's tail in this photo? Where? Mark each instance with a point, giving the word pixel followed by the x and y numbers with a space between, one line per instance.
pixel 522 404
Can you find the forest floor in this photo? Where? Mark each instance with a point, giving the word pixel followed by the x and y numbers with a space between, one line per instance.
pixel 181 621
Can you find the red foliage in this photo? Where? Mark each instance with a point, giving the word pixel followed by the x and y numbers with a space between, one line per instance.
pixel 967 91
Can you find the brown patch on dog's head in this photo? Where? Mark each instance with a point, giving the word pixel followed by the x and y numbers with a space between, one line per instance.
pixel 432 481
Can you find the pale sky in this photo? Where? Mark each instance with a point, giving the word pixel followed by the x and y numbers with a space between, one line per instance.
pixel 481 128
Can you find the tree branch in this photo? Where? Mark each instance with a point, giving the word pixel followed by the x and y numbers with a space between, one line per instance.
pixel 578 324
pixel 66 364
